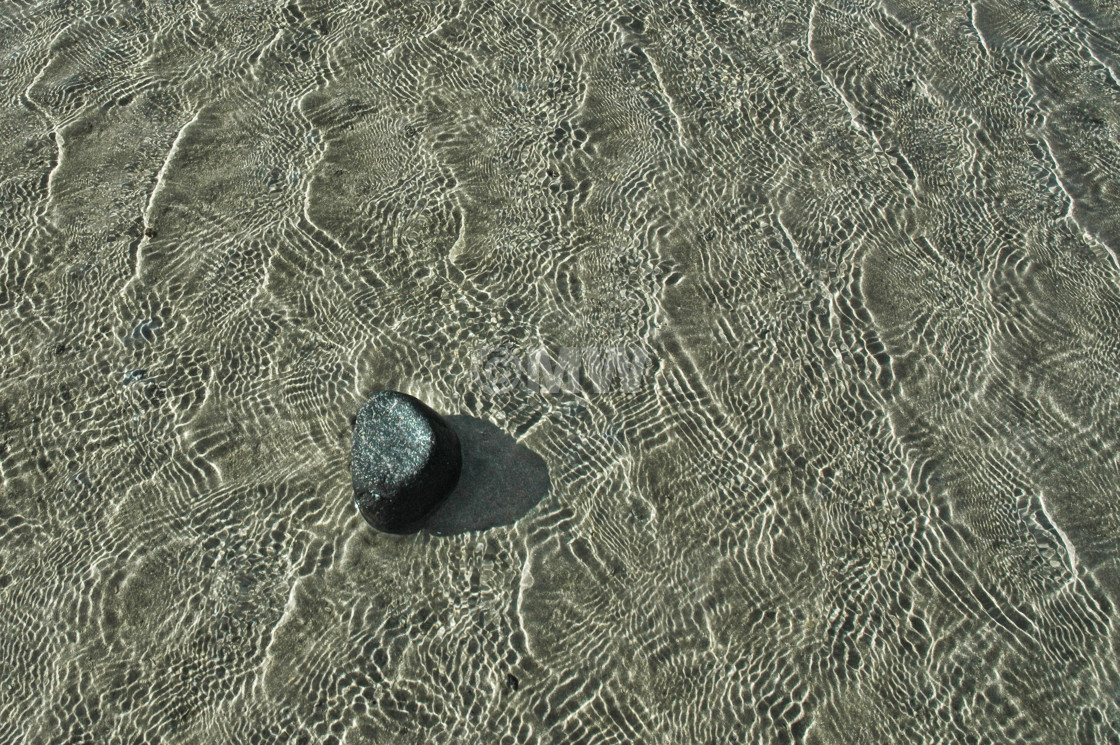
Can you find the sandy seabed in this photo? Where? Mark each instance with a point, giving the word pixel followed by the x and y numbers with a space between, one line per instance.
pixel 863 490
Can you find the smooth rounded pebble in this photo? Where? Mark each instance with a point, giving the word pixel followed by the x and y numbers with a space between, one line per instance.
pixel 405 460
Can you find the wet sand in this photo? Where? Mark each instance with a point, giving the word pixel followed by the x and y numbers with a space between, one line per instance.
pixel 863 489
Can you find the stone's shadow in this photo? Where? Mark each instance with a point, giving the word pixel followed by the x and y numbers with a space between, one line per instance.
pixel 501 481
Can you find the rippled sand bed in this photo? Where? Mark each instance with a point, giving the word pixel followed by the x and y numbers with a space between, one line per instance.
pixel 858 483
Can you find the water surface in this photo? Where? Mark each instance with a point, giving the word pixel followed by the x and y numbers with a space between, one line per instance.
pixel 863 492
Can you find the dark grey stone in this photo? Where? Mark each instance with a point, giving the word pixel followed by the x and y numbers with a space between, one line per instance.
pixel 405 460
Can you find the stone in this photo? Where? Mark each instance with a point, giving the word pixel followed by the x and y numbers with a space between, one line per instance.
pixel 405 460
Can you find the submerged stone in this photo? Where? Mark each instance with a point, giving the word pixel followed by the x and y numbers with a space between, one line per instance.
pixel 405 460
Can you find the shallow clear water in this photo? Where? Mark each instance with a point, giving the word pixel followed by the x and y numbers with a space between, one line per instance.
pixel 858 487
